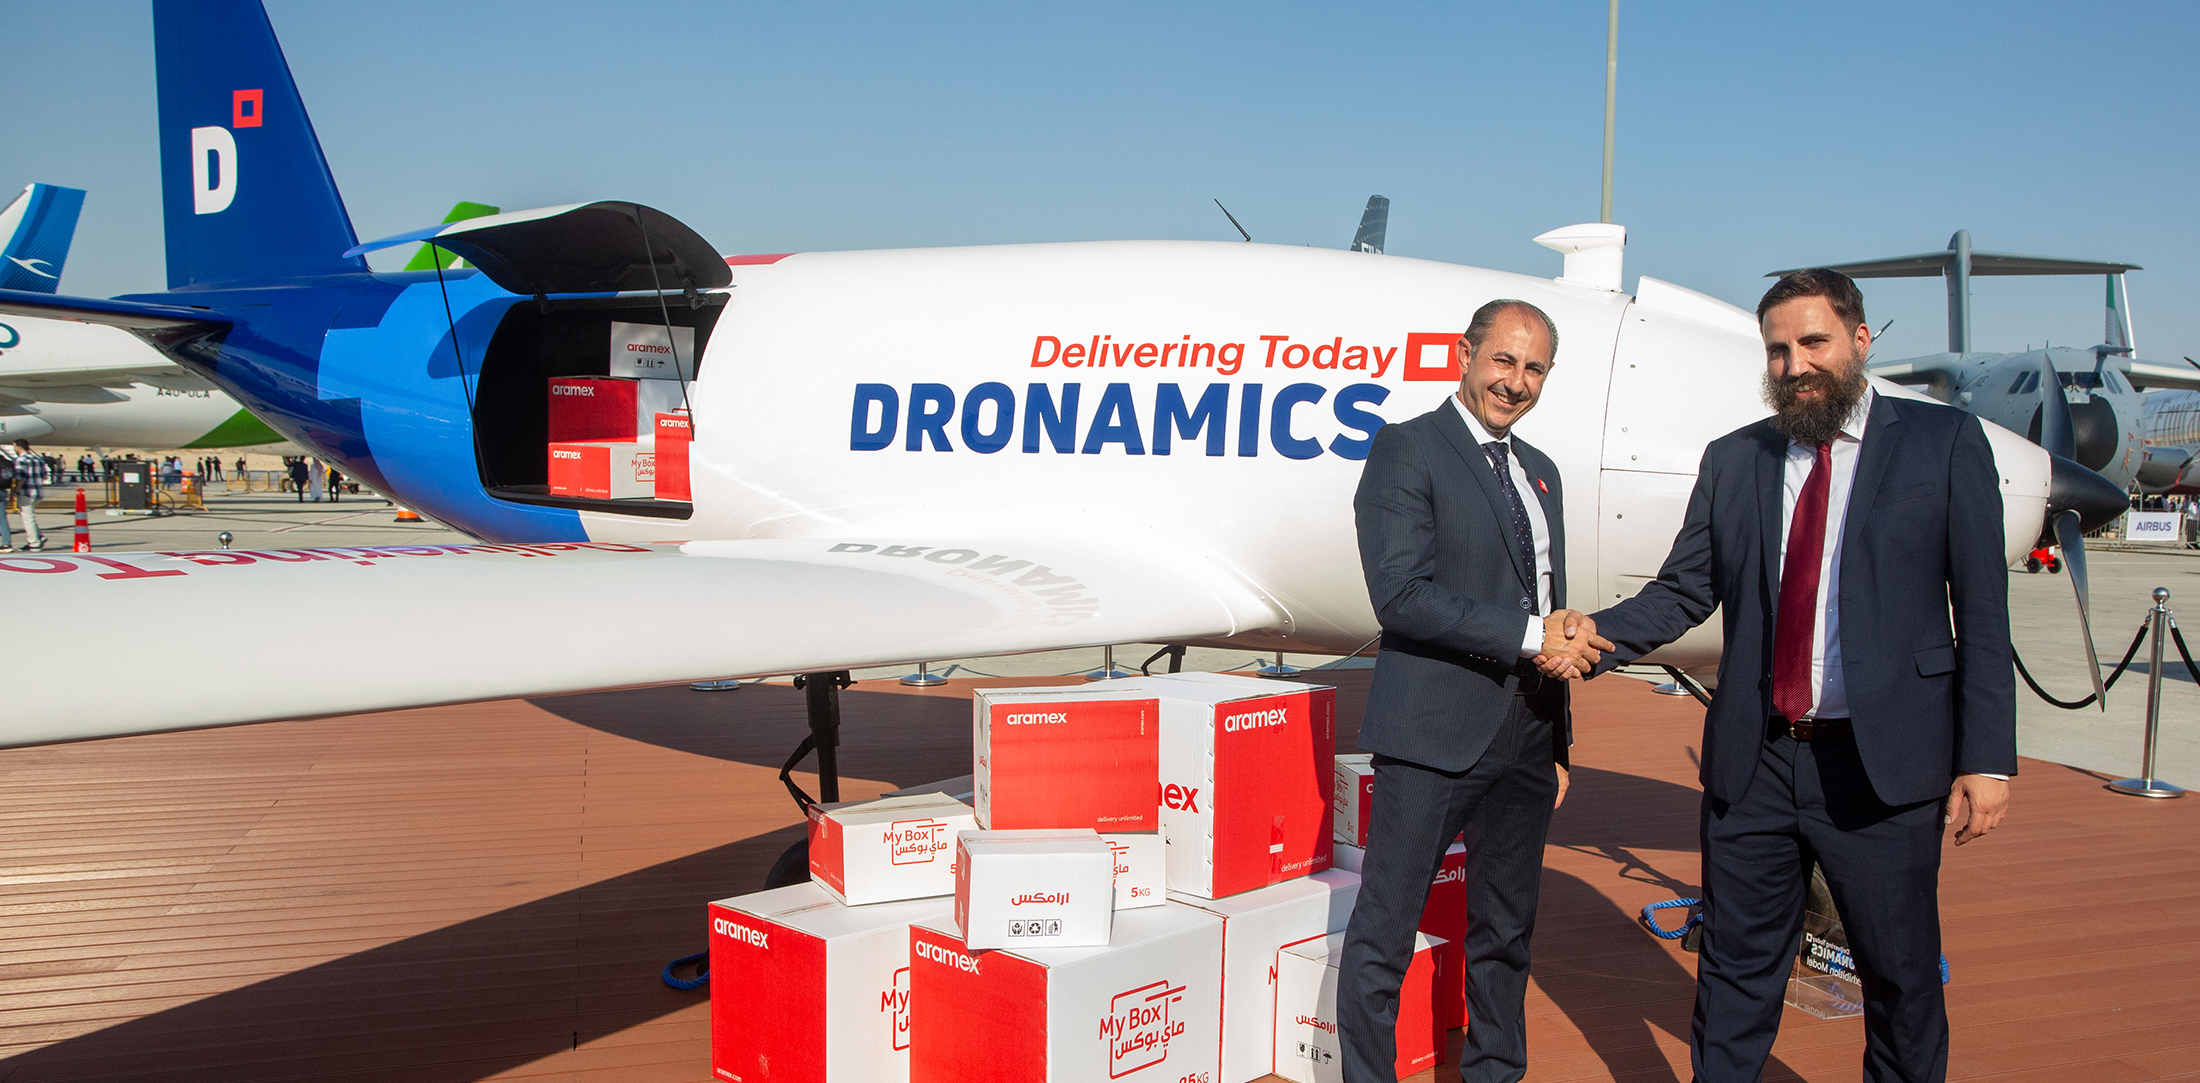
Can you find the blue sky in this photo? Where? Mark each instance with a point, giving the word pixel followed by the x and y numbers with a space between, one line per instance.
pixel 1752 136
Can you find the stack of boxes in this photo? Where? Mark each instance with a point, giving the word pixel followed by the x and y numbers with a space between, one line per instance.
pixel 1142 891
pixel 625 435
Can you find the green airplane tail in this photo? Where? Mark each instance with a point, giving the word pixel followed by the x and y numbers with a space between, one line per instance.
pixel 431 258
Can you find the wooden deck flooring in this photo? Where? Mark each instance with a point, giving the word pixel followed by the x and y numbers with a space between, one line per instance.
pixel 488 892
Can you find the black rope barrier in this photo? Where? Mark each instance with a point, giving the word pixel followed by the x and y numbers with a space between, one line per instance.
pixel 2109 683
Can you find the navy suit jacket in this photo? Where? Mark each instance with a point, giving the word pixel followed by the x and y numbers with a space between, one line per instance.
pixel 1449 587
pixel 1921 546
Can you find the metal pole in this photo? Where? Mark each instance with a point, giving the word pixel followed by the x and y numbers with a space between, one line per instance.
pixel 1611 102
pixel 1107 670
pixel 924 677
pixel 2146 785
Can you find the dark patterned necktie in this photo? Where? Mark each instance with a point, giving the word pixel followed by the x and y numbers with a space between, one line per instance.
pixel 1522 534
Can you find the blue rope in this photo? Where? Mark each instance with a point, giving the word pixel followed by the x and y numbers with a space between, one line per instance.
pixel 700 961
pixel 1650 921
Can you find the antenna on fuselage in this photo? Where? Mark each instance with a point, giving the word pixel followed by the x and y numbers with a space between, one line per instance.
pixel 1233 221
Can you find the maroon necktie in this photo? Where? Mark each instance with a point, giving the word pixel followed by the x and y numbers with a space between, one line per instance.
pixel 1796 631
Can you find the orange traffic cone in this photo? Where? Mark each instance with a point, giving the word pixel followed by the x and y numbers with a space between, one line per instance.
pixel 83 526
pixel 407 515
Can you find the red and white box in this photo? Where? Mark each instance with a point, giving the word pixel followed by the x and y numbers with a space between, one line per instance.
pixel 603 470
pixel 1444 917
pixel 1246 768
pixel 1352 797
pixel 1255 926
pixel 1033 888
pixel 1067 758
pixel 809 989
pixel 1146 1008
pixel 959 788
pixel 598 408
pixel 893 848
pixel 1141 868
pixel 647 351
pixel 1307 1046
pixel 675 438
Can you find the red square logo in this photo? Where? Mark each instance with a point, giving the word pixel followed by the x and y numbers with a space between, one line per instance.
pixel 1432 356
pixel 244 109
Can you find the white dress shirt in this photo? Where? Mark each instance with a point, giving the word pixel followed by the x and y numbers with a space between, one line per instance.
pixel 1531 643
pixel 1829 693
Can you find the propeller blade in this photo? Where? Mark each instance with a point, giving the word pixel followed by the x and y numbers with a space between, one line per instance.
pixel 2073 487
pixel 2057 434
pixel 2071 536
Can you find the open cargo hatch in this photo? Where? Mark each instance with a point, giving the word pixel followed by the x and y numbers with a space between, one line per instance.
pixel 604 247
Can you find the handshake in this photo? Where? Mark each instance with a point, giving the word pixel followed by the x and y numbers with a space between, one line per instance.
pixel 1571 646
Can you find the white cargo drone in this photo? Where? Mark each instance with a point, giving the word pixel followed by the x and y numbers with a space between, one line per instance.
pixel 896 455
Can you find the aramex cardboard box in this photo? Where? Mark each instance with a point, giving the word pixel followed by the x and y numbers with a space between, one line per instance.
pixel 1042 888
pixel 1246 775
pixel 889 849
pixel 675 437
pixel 1307 1049
pixel 1143 1009
pixel 1067 757
pixel 1141 865
pixel 594 408
pixel 1352 794
pixel 1255 926
pixel 807 989
pixel 1444 917
pixel 646 351
pixel 604 470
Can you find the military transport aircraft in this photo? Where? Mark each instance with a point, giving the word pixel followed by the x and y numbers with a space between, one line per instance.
pixel 2104 384
pixel 893 455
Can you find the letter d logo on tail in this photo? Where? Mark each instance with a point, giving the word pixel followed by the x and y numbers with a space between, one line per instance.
pixel 213 170
pixel 226 95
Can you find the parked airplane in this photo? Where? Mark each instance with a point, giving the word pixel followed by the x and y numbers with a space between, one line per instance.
pixel 83 385
pixel 2104 384
pixel 1374 225
pixel 37 227
pixel 895 455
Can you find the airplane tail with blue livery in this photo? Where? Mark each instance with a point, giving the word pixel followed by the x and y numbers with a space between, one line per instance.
pixel 245 191
pixel 37 228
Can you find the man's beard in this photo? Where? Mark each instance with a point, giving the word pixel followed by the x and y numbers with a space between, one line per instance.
pixel 1819 419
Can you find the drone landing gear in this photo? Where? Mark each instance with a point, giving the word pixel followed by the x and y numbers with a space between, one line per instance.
pixel 821 692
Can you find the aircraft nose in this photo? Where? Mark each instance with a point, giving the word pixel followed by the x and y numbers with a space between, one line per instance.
pixel 2096 499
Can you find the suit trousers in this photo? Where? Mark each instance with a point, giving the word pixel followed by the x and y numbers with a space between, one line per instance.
pixel 1503 803
pixel 1811 801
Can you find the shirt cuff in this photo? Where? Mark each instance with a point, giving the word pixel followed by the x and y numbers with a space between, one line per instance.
pixel 1531 644
pixel 1989 774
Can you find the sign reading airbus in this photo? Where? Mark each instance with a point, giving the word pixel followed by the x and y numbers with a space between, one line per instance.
pixel 1152 418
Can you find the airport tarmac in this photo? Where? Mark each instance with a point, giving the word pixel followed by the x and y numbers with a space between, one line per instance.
pixel 256 520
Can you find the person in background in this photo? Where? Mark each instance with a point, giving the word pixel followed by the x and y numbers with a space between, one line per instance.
pixel 7 492
pixel 335 485
pixel 298 476
pixel 240 468
pixel 31 472
pixel 316 478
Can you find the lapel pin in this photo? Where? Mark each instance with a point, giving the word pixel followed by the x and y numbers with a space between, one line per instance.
pixel 1540 485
